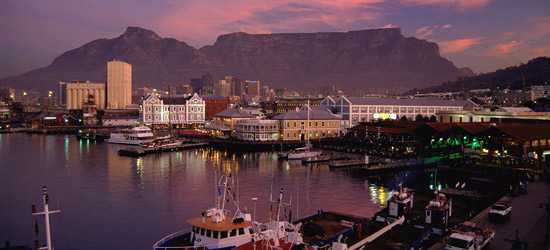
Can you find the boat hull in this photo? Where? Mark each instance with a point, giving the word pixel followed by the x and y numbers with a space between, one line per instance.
pixel 303 155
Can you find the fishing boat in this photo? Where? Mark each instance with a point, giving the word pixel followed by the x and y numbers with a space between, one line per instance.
pixel 134 136
pixel 217 228
pixel 277 233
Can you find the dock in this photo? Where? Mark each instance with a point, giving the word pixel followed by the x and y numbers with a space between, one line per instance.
pixel 140 151
pixel 322 159
pixel 374 167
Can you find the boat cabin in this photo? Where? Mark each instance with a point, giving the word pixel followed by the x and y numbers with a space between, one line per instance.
pixel 224 234
pixel 438 212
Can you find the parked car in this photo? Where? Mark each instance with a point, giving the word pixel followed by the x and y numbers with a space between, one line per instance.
pixel 500 211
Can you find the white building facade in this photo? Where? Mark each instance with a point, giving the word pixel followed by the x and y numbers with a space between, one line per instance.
pixel 173 110
pixel 355 109
pixel 257 130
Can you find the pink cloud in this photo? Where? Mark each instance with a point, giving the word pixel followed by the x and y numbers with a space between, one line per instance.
pixel 427 31
pixel 390 25
pixel 458 45
pixel 504 48
pixel 460 4
pixel 198 22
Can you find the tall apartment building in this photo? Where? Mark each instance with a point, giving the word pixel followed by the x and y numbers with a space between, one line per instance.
pixel 253 88
pixel 224 87
pixel 119 84
pixel 74 94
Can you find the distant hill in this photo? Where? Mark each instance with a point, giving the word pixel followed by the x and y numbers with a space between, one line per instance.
pixel 534 72
pixel 376 58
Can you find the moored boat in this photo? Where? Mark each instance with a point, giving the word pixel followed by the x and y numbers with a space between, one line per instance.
pixel 217 228
pixel 134 136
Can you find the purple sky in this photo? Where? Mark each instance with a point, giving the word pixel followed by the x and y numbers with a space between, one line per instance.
pixel 481 34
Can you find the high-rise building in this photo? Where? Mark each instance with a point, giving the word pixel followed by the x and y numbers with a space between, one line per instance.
pixel 74 94
pixel 119 84
pixel 224 87
pixel 253 88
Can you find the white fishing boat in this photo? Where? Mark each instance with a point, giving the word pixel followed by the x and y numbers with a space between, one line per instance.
pixel 217 228
pixel 134 136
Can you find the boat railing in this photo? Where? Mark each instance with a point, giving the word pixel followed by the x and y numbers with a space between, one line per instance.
pixel 180 247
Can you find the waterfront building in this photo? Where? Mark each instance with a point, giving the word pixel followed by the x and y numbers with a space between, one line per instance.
pixel 539 91
pixel 229 117
pixel 293 103
pixel 357 109
pixel 120 118
pixel 214 105
pixel 5 112
pixel 500 115
pixel 119 84
pixel 74 94
pixel 176 110
pixel 508 97
pixel 257 130
pixel 293 125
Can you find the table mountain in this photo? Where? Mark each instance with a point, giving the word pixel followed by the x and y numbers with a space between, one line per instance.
pixel 365 59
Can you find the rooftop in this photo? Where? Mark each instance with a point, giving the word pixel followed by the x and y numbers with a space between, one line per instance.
pixel 406 102
pixel 234 113
pixel 314 114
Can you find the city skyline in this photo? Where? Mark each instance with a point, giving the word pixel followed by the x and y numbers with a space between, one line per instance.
pixel 482 34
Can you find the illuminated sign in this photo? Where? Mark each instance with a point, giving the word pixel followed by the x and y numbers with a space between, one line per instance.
pixel 384 116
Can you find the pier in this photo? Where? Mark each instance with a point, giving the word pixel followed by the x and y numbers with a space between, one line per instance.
pixel 140 151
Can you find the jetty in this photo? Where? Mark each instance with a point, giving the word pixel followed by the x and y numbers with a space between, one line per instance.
pixel 141 151
pixel 322 159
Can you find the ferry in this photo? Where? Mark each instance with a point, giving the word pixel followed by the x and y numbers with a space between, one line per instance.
pixel 217 228
pixel 135 136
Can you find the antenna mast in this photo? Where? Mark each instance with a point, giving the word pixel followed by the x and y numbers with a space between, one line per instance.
pixel 46 213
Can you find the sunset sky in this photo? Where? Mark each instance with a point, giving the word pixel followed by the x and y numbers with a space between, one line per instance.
pixel 481 34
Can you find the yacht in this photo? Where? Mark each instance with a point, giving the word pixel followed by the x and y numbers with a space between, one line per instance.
pixel 217 228
pixel 303 153
pixel 307 151
pixel 135 136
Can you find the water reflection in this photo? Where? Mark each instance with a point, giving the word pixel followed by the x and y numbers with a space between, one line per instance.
pixel 108 199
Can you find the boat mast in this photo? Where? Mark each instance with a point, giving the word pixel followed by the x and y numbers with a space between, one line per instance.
pixel 46 213
pixel 307 125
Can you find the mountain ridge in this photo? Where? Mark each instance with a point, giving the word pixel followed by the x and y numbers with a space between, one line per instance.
pixel 371 58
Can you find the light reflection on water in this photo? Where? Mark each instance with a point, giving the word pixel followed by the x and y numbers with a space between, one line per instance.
pixel 107 199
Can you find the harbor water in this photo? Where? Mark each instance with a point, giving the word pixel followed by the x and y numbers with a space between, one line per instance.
pixel 112 202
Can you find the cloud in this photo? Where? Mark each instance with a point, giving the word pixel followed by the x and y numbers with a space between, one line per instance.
pixel 427 31
pixel 459 4
pixel 199 22
pixel 458 45
pixel 505 48
pixel 390 26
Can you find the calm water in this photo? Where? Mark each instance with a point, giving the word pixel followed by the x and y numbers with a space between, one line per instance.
pixel 114 202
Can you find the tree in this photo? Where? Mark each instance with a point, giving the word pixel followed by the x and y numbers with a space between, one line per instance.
pixel 419 118
pixel 433 118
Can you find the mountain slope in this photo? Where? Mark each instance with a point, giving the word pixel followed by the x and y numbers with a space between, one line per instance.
pixel 534 72
pixel 379 58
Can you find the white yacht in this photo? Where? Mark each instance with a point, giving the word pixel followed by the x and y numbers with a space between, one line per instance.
pixel 303 153
pixel 307 151
pixel 135 136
